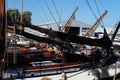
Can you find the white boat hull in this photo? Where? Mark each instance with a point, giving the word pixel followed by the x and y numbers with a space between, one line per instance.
pixel 92 74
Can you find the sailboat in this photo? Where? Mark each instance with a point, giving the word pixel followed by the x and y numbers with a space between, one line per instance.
pixel 75 66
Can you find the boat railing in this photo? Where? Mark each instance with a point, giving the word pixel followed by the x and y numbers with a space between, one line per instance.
pixel 44 71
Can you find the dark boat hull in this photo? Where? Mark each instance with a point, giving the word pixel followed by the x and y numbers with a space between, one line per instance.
pixel 23 58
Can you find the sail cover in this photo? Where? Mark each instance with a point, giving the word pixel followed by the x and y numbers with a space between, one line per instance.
pixel 104 42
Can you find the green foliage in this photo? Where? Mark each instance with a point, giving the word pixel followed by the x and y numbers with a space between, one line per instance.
pixel 13 15
pixel 26 16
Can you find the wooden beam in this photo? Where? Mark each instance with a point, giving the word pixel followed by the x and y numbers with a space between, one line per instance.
pixel 2 35
pixel 2 28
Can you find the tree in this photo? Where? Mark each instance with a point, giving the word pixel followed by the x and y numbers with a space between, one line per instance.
pixel 27 16
pixel 12 16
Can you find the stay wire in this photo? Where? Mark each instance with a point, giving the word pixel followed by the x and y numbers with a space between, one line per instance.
pixel 101 23
pixel 56 9
pixel 43 12
pixel 102 5
pixel 37 12
pixel 91 9
pixel 51 13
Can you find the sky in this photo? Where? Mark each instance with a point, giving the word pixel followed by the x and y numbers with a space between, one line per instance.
pixel 44 11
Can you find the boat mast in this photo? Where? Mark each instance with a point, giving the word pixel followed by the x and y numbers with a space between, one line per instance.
pixel 70 20
pixel 89 32
pixel 21 16
pixel 2 33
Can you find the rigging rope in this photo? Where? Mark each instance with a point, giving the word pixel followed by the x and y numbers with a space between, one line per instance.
pixel 51 13
pixel 102 5
pixel 43 12
pixel 93 30
pixel 37 11
pixel 97 7
pixel 60 19
pixel 101 23
pixel 61 14
pixel 94 13
pixel 91 9
pixel 56 9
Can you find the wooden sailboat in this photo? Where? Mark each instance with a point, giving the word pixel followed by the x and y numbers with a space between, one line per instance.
pixel 67 65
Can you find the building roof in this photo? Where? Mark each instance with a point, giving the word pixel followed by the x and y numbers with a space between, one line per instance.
pixel 56 25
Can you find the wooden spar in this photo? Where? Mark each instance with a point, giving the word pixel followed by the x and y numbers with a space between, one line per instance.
pixel 2 28
pixel 41 39
pixel 2 35
pixel 69 21
pixel 99 19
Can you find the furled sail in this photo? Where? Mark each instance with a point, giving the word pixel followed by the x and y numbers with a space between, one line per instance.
pixel 103 42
